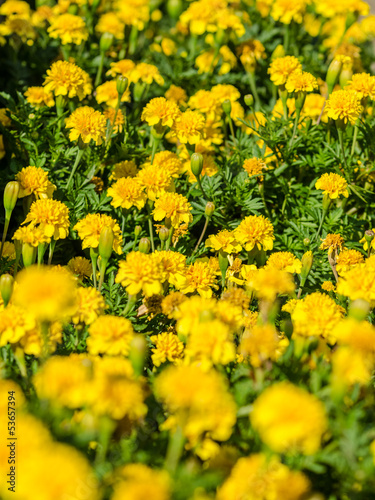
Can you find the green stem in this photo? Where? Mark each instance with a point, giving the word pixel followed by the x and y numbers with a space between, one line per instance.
pixel 201 187
pixel 230 121
pixel 51 250
pixel 100 69
pixel 341 140
pixel 133 40
pixel 94 259
pixel 175 449
pixel 298 113
pixel 112 125
pixel 254 90
pixel 202 234
pixel 321 224
pixel 42 247
pixel 151 231
pixel 286 38
pixel 103 268
pixel 154 148
pixel 169 240
pixel 6 226
pixel 78 159
pixel 354 139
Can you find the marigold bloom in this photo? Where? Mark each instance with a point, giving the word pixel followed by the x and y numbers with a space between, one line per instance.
pixel 34 180
pixel 159 111
pixel 332 243
pixel 110 23
pixel 110 335
pixel 87 124
pixel 90 305
pixel 224 240
pixel 328 286
pixel 260 477
pixel 284 261
pixel 261 343
pixel 39 97
pixel 201 278
pixel 140 272
pixel 147 73
pixel 287 11
pixel 80 267
pixel 349 367
pixel 127 192
pixel 169 162
pixel 46 293
pixel 15 322
pixel 171 303
pixel 344 105
pixel 136 481
pixel 301 81
pixel 269 282
pixel 126 168
pixel 90 227
pixel 289 419
pixel 363 84
pixel 65 78
pixel 358 283
pixel 15 8
pixel 177 95
pixel 255 230
pixel 208 60
pixel 31 235
pixel 348 259
pixel 118 126
pixel 188 127
pixel 124 67
pixel 154 180
pixel 51 216
pixel 333 185
pixel 107 93
pixel 168 347
pixel 133 12
pixel 282 67
pixel 173 265
pixel 254 167
pixel 69 28
pixel 172 206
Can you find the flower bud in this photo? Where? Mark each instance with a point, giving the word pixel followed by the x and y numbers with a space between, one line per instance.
pixel 210 209
pixel 249 100
pixel 138 90
pixel 307 261
pixel 144 245
pixel 345 75
pixel 28 254
pixel 333 74
pixel 227 107
pixel 137 354
pixel 137 231
pixel 369 236
pixel 105 42
pixel 164 233
pixel 223 265
pixel 106 239
pixel 10 196
pixel 174 8
pixel 121 85
pixel 306 242
pixel 6 287
pixel 196 162
pixel 278 52
pixel 359 309
pixel 326 202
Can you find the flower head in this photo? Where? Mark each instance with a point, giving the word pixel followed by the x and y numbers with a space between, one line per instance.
pixel 34 180
pixel 333 185
pixel 127 192
pixel 110 335
pixel 140 272
pixel 301 81
pixel 159 111
pixel 107 93
pixel 90 227
pixel 87 124
pixel 172 206
pixel 136 481
pixel 126 168
pixel 344 105
pixel 255 167
pixel 347 259
pixel 188 127
pixel 39 97
pixel 269 282
pixel 31 235
pixel 51 216
pixel 224 240
pixel 168 347
pixel 363 84
pixel 332 243
pixel 154 180
pixel 90 305
pixel 146 73
pixel 201 278
pixel 80 267
pixel 110 23
pixel 255 230
pixel 282 67
pixel 287 11
pixel 169 162
pixel 69 28
pixel 118 126
pixel 65 78
pixel 284 261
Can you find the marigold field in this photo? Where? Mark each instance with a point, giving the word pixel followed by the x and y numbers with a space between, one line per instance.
pixel 187 260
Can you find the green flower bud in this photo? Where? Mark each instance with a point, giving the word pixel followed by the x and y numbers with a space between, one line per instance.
pixel 345 75
pixel 164 233
pixel 174 8
pixel 137 231
pixel 278 52
pixel 138 90
pixel 333 74
pixel 144 245
pixel 6 287
pixel 121 85
pixel 105 42
pixel 210 209
pixel 307 262
pixel 196 162
pixel 106 239
pixel 227 107
pixel 326 202
pixel 10 196
pixel 249 100
pixel 306 242
pixel 28 254
pixel 137 354
pixel 369 236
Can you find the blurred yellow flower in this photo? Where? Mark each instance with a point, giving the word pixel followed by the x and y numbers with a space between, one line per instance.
pixel 69 29
pixel 110 335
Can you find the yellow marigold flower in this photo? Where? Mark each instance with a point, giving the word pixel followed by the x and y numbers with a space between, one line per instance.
pixel 140 272
pixel 90 305
pixel 65 78
pixel 255 230
pixel 147 73
pixel 260 343
pixel 350 367
pixel 40 17
pixel 31 235
pixel 348 259
pixel 159 111
pixel 313 106
pixel 15 322
pixel 250 52
pixel 344 105
pixel 87 124
pixel 358 283
pixel 167 348
pixel 201 278
pixel 363 84
pixel 154 180
pixel 126 168
pixel 224 240
pixel 198 401
pixel 301 81
pixel 9 250
pixel 284 261
pixel 290 305
pixel 69 28
pixel 333 185
pixel 358 335
pixel 208 60
pixel 12 8
pixel 177 95
pixel 316 315
pixel 109 114
pixel 136 481
pixel 191 311
pixel 90 227
pixel 188 127
pixel 289 419
pixel 222 92
pixel 332 243
pixel 33 342
pixel 80 267
pixel 110 23
pixel 107 93
pixel 169 162
pixel 173 265
pixel 171 303
pixel 133 12
pixel 110 335
pixel 254 167
pixel 172 206
pixel 19 26
pixel 236 297
pixel 287 11
pixel 269 282
pixel 205 102
pixel 261 477
pixel 34 180
pixel 127 192
pixel 51 216
pixel 39 97
pixel 46 293
pixel 328 286
pixel 282 67
pixel 124 67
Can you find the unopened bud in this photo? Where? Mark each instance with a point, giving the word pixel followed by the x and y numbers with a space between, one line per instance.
pixel 369 235
pixel 105 42
pixel 333 74
pixel 174 8
pixel 138 91
pixel 6 287
pixel 306 242
pixel 106 239
pixel 137 354
pixel 249 100
pixel 210 209
pixel 345 75
pixel 307 261
pixel 326 202
pixel 196 162
pixel 144 245
pixel 137 231
pixel 28 254
pixel 10 196
pixel 278 52
pixel 164 233
pixel 227 107
pixel 121 85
